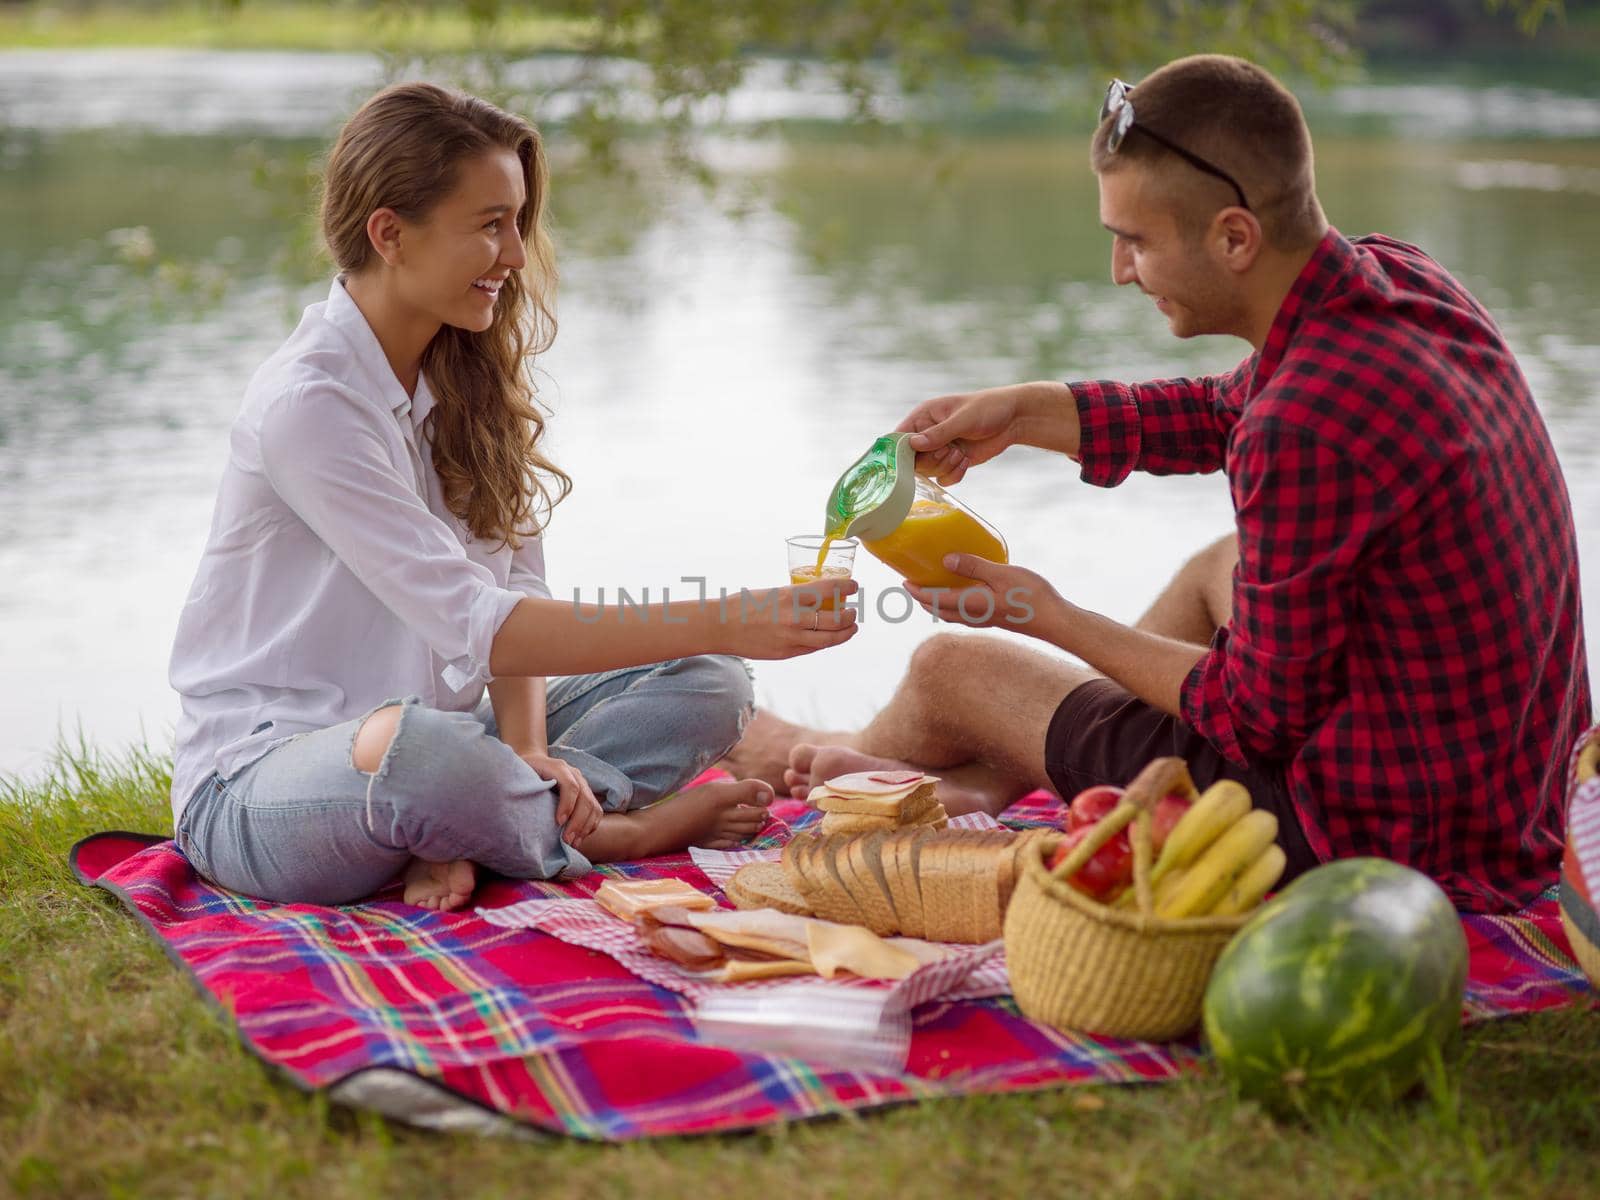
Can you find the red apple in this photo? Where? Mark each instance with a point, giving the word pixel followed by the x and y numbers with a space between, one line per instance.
pixel 1108 871
pixel 1089 805
pixel 1169 811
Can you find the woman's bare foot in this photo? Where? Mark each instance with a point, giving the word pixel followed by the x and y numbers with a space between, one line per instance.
pixel 714 815
pixel 763 752
pixel 441 886
pixel 970 787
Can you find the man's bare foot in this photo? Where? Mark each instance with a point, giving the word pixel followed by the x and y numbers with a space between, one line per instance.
pixel 763 752
pixel 811 764
pixel 714 815
pixel 963 789
pixel 441 886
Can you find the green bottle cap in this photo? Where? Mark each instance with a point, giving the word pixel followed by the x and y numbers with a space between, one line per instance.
pixel 875 492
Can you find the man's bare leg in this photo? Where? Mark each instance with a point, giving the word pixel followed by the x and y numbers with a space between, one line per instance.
pixel 981 699
pixel 988 745
pixel 948 719
pixel 1199 599
pixel 763 751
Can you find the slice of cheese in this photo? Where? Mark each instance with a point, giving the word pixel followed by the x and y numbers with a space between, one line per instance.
pixel 861 952
pixel 878 783
pixel 627 898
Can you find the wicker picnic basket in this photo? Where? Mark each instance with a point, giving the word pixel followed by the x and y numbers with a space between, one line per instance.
pixel 1077 964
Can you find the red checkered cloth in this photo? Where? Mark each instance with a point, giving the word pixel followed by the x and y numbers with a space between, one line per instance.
pixel 453 1021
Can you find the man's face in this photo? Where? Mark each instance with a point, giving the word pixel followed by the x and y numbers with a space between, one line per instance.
pixel 1192 290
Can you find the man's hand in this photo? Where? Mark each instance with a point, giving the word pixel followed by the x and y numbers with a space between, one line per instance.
pixel 961 431
pixel 1001 597
pixel 577 810
pixel 958 432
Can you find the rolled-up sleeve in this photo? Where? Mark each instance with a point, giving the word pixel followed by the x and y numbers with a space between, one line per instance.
pixel 1165 427
pixel 1306 512
pixel 527 569
pixel 325 452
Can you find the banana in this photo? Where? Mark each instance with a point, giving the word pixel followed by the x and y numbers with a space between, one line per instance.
pixel 1169 885
pixel 1253 883
pixel 1129 899
pixel 1223 861
pixel 1222 804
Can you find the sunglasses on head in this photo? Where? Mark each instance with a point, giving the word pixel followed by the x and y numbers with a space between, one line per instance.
pixel 1117 101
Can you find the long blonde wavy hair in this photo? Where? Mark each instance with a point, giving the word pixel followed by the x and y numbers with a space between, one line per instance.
pixel 402 150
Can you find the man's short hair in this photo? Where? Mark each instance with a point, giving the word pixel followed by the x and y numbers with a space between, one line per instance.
pixel 1236 116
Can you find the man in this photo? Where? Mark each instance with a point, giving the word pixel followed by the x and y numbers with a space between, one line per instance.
pixel 1388 650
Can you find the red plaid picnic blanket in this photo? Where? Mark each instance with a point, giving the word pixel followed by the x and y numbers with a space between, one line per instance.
pixel 452 1021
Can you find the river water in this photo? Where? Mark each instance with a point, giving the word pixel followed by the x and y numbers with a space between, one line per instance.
pixel 724 351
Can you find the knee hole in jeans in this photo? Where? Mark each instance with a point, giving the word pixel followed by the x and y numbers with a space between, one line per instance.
pixel 373 739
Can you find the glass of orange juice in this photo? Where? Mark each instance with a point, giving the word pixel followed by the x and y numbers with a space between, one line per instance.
pixel 813 557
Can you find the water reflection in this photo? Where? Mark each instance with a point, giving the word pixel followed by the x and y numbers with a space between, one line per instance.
pixel 721 358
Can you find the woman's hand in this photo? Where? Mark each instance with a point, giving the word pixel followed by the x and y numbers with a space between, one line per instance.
pixel 786 622
pixel 1001 597
pixel 962 431
pixel 577 810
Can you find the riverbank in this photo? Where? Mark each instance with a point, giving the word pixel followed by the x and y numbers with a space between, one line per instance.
pixel 338 26
pixel 115 1079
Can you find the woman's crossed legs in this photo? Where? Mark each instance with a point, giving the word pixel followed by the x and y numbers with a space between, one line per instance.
pixel 331 816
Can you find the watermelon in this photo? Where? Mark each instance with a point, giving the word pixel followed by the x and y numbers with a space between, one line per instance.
pixel 1341 989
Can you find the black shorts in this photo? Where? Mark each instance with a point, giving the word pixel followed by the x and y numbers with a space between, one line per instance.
pixel 1102 733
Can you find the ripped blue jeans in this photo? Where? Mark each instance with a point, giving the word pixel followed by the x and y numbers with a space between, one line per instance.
pixel 303 824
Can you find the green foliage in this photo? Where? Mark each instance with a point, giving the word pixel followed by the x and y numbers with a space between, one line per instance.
pixel 698 50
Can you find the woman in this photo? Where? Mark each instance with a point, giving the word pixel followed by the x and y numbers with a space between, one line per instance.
pixel 374 566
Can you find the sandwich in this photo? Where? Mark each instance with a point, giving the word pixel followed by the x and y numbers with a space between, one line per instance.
pixel 627 898
pixel 873 801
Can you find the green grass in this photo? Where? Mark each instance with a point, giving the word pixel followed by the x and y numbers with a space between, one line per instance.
pixel 115 1080
pixel 344 25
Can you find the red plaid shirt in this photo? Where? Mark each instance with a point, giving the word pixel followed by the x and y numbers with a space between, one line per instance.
pixel 1406 643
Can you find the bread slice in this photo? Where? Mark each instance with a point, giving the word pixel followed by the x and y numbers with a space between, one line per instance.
pixel 874 849
pixel 765 885
pixel 814 884
pixel 906 860
pixel 940 908
pixel 854 823
pixel 914 864
pixel 917 807
pixel 871 806
pixel 835 901
pixel 1005 874
pixel 967 880
pixel 876 912
pixel 1011 870
pixel 791 864
pixel 989 917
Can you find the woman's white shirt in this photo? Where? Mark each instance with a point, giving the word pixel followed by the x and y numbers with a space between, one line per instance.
pixel 334 577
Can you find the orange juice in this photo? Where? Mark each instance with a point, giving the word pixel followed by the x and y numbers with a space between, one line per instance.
pixel 802 575
pixel 827 544
pixel 931 530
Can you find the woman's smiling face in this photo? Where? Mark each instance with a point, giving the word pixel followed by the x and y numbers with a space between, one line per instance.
pixel 455 260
